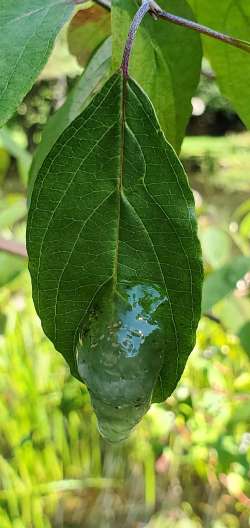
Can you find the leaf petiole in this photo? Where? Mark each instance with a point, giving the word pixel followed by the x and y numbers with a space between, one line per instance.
pixel 190 24
pixel 151 7
pixel 142 11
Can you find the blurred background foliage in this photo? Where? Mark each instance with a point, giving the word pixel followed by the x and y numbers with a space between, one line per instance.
pixel 187 463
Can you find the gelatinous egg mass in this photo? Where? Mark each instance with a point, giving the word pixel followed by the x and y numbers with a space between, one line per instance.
pixel 120 354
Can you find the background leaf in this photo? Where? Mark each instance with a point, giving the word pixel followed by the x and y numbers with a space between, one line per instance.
pixel 216 246
pixel 10 267
pixel 111 204
pixel 231 65
pixel 27 34
pixel 14 144
pixel 12 209
pixel 223 281
pixel 87 30
pixel 92 78
pixel 244 335
pixel 166 62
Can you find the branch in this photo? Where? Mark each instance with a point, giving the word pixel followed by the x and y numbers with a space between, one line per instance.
pixel 15 248
pixel 151 7
pixel 179 21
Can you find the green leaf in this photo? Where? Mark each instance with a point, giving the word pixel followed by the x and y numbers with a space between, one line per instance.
pixel 245 227
pixel 91 80
pixel 231 65
pixel 166 62
pixel 12 209
pixel 15 144
pixel 216 246
pixel 233 312
pixel 223 281
pixel 113 250
pixel 27 33
pixel 244 335
pixel 10 267
pixel 5 162
pixel 242 210
pixel 87 30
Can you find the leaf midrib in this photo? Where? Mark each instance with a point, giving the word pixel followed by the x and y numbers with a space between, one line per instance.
pixel 121 175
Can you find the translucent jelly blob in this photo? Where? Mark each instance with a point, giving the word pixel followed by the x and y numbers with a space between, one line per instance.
pixel 120 354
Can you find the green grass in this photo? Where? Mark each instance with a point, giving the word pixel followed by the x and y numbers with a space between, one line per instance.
pixel 185 465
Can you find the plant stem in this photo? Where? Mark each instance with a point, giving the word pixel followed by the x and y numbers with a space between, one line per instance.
pixel 150 6
pixel 142 11
pixel 242 44
pixel 15 248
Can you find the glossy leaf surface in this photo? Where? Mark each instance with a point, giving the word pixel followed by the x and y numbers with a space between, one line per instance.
pixel 112 215
pixel 121 352
pixel 166 62
pixel 231 65
pixel 27 34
